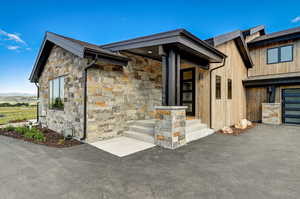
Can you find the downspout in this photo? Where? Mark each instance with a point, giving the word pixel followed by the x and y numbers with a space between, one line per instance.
pixel 38 102
pixel 210 92
pixel 85 95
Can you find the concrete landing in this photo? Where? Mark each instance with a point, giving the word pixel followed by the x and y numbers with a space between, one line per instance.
pixel 122 146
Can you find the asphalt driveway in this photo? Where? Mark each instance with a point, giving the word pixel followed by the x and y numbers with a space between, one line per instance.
pixel 262 163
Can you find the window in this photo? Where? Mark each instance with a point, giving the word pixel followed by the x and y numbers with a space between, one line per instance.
pixel 218 87
pixel 56 93
pixel 273 55
pixel 280 54
pixel 286 53
pixel 229 87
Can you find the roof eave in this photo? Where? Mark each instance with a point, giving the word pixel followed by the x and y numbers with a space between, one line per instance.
pixel 179 36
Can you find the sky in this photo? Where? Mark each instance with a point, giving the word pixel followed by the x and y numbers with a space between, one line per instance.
pixel 24 23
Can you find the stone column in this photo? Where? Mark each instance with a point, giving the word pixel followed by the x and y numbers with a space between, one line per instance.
pixel 271 113
pixel 170 125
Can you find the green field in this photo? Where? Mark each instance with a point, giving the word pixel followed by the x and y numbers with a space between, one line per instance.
pixel 8 114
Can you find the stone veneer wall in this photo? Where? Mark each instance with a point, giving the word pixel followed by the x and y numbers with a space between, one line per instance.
pixel 170 126
pixel 119 94
pixel 271 113
pixel 63 63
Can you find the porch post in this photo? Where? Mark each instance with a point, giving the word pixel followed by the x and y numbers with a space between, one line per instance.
pixel 164 75
pixel 170 77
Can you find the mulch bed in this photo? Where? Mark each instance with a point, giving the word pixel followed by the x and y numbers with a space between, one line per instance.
pixel 18 121
pixel 237 131
pixel 53 139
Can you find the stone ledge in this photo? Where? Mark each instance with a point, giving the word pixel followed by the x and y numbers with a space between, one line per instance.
pixel 171 107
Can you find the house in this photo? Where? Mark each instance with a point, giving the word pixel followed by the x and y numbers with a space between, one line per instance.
pixel 169 88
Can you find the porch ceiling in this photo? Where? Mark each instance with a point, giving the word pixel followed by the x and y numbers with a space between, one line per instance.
pixel 180 39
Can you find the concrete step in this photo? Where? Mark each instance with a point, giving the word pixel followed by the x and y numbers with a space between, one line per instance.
pixel 139 136
pixel 142 129
pixel 145 123
pixel 191 122
pixel 195 135
pixel 195 127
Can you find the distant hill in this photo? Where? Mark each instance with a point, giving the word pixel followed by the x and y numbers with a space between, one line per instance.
pixel 17 94
pixel 14 98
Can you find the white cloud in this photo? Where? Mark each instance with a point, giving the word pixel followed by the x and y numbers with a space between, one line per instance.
pixel 13 47
pixel 296 19
pixel 10 36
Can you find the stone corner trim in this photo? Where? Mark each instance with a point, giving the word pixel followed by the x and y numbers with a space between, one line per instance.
pixel 170 126
pixel 271 113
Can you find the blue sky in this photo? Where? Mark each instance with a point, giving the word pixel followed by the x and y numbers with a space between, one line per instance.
pixel 23 24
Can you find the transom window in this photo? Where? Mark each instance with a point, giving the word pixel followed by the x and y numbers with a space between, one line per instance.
pixel 280 54
pixel 218 87
pixel 56 93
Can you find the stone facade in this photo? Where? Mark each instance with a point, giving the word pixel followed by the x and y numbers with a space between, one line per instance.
pixel 63 63
pixel 119 94
pixel 271 113
pixel 170 126
pixel 115 94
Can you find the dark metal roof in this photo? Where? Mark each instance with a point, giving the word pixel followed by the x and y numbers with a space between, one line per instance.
pixel 276 79
pixel 289 34
pixel 251 31
pixel 240 42
pixel 74 46
pixel 179 36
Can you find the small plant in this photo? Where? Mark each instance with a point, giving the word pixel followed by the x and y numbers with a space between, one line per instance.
pixel 9 128
pixel 21 130
pixel 34 134
pixel 61 142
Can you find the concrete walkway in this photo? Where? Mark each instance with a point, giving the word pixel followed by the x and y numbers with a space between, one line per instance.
pixel 122 146
pixel 262 163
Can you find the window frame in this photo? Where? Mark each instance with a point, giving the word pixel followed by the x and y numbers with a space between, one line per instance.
pixel 279 54
pixel 51 92
pixel 218 94
pixel 229 91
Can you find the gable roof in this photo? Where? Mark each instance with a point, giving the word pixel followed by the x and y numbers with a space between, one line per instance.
pixel 179 36
pixel 74 46
pixel 253 30
pixel 238 37
pixel 289 34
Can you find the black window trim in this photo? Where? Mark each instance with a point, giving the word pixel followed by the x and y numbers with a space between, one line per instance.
pixel 229 79
pixel 279 54
pixel 218 97
pixel 63 99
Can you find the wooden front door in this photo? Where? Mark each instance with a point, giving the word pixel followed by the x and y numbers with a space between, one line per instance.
pixel 188 90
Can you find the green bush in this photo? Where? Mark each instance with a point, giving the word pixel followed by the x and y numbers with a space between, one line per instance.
pixel 22 130
pixel 9 128
pixel 34 134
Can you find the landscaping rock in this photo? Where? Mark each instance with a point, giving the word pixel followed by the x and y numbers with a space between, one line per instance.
pixel 227 130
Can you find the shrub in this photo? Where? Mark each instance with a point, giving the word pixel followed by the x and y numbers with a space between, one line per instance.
pixel 22 130
pixel 34 134
pixel 9 128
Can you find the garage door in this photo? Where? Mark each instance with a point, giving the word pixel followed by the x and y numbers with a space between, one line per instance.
pixel 291 106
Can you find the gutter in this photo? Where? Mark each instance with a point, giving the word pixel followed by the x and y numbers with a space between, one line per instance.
pixel 38 103
pixel 210 92
pixel 85 96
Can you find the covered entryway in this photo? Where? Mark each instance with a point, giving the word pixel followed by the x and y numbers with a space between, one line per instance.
pixel 291 106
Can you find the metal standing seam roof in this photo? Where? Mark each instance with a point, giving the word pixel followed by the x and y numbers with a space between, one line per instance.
pixel 74 46
pixel 275 35
pixel 174 36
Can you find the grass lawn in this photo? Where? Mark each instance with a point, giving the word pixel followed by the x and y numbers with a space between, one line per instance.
pixel 8 114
